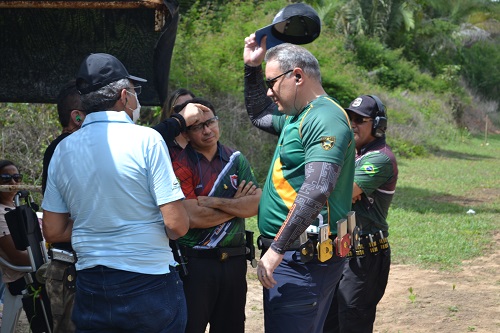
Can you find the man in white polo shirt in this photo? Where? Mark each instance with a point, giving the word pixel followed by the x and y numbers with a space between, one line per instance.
pixel 111 190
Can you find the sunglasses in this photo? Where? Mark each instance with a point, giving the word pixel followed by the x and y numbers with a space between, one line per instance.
pixel 360 120
pixel 6 178
pixel 270 83
pixel 210 123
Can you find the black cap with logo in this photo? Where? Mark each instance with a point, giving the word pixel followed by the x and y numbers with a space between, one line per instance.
pixel 365 106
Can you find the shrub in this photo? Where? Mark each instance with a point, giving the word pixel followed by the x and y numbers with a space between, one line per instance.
pixel 481 70
pixel 389 68
pixel 26 130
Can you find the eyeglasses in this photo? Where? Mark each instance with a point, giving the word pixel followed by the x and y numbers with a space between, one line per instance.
pixel 360 120
pixel 270 83
pixel 138 90
pixel 210 123
pixel 6 178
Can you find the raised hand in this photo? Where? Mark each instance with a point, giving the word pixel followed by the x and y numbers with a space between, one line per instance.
pixel 253 53
pixel 193 112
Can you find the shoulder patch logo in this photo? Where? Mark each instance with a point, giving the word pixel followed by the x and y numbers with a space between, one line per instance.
pixel 369 168
pixel 327 142
pixel 234 181
pixel 176 184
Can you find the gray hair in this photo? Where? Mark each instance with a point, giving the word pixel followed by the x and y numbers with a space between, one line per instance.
pixel 290 56
pixel 104 98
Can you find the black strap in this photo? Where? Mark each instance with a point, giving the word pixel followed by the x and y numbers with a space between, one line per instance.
pixel 221 253
pixel 16 287
pixel 181 119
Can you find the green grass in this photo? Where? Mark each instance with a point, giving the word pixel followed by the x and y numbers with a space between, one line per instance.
pixel 429 224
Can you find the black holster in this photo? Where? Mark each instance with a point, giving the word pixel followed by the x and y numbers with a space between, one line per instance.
pixel 250 248
pixel 180 258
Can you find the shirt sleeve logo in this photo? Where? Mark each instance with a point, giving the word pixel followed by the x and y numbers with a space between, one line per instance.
pixel 327 142
pixel 369 168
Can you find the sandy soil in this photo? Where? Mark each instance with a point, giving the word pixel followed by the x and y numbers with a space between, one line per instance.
pixel 448 302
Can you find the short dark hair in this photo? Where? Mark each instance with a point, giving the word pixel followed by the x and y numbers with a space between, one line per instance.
pixel 5 163
pixel 67 101
pixel 197 100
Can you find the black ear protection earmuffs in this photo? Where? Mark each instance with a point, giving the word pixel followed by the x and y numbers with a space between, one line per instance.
pixel 297 77
pixel 380 121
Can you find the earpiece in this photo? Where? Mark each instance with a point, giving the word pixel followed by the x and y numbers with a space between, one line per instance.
pixel 297 77
pixel 380 121
pixel 77 118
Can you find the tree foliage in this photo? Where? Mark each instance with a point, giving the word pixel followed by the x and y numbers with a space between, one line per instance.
pixel 481 68
pixel 25 132
pixel 414 54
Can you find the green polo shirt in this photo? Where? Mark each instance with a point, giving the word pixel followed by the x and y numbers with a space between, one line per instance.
pixel 376 173
pixel 320 133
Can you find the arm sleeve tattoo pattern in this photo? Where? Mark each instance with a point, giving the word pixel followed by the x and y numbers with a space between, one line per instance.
pixel 320 180
pixel 259 106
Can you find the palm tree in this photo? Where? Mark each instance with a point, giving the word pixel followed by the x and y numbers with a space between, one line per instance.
pixel 381 19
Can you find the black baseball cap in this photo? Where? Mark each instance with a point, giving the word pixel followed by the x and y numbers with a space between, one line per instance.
pixel 100 69
pixel 364 105
pixel 297 23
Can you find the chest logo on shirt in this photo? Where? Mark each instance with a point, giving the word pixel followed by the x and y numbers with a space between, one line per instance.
pixel 327 142
pixel 234 181
pixel 369 168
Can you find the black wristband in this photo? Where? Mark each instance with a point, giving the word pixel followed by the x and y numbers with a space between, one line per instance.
pixel 181 119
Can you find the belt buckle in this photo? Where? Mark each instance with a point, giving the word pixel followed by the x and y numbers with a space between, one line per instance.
pixel 62 255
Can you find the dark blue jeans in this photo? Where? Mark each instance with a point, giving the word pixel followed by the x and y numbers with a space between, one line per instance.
pixel 302 297
pixel 112 301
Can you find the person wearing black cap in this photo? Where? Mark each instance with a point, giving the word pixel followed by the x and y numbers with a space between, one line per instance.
pixel 308 187
pixel 366 272
pixel 116 182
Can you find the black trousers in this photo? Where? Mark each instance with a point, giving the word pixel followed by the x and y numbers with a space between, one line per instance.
pixel 357 294
pixel 216 293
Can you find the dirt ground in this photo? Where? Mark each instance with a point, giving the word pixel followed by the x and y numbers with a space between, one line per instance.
pixel 447 302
